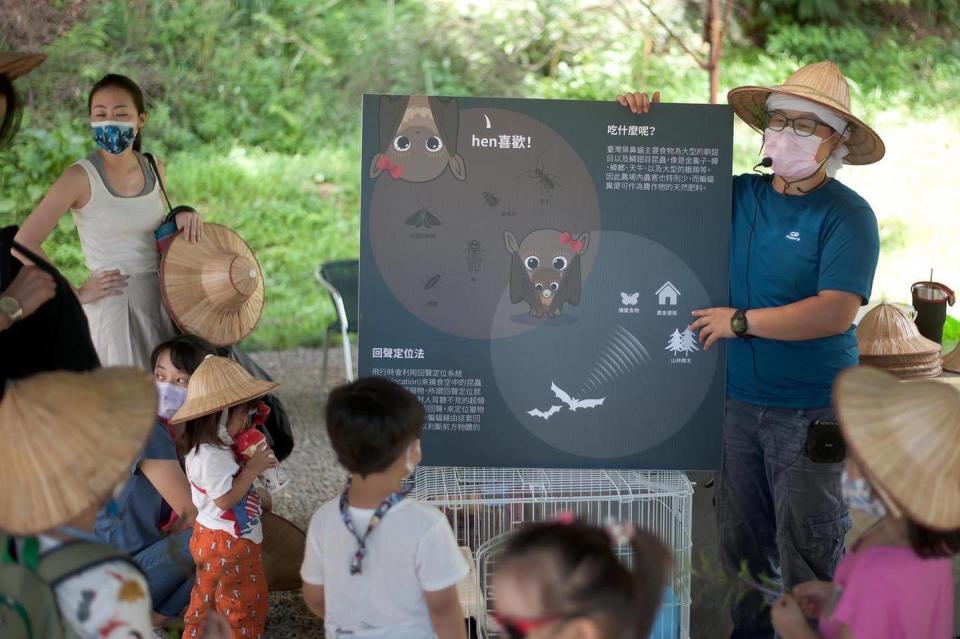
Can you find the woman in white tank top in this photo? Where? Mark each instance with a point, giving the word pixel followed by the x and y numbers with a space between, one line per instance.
pixel 117 204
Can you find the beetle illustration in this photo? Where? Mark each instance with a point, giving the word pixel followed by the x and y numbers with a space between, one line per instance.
pixel 546 182
pixel 545 269
pixel 418 139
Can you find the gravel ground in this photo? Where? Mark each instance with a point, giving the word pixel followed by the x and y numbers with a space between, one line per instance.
pixel 312 466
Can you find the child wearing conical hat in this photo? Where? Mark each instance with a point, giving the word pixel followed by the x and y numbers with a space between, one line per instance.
pixel 903 467
pixel 68 442
pixel 222 400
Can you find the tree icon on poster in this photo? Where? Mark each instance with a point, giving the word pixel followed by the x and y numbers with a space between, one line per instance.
pixel 685 342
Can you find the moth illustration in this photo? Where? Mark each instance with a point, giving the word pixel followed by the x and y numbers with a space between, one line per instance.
pixel 574 404
pixel 422 217
pixel 630 300
pixel 418 139
pixel 545 414
pixel 545 269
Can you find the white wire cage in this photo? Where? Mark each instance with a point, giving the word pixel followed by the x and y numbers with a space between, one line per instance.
pixel 484 505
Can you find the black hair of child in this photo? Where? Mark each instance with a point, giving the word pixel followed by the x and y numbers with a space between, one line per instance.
pixel 11 118
pixel 930 543
pixel 186 352
pixel 579 574
pixel 371 422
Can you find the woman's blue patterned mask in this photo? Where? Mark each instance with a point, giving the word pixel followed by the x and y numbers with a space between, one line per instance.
pixel 857 494
pixel 113 136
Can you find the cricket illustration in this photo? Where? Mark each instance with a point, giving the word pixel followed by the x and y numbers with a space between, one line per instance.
pixel 418 139
pixel 545 269
pixel 546 182
pixel 571 403
pixel 474 257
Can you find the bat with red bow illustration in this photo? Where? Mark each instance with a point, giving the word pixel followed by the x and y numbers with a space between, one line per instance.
pixel 417 139
pixel 545 269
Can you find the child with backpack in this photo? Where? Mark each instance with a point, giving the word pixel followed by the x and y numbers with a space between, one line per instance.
pixel 903 467
pixel 222 400
pixel 564 579
pixel 68 442
pixel 378 564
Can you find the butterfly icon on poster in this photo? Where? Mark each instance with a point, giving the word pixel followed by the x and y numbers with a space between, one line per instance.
pixel 629 300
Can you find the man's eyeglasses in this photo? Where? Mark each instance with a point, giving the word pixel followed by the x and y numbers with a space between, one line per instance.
pixel 804 127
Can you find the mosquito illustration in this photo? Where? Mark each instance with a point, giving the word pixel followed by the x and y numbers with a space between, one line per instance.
pixel 474 256
pixel 546 182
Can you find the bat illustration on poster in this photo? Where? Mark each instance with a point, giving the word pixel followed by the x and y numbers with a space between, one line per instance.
pixel 574 404
pixel 547 414
pixel 418 139
pixel 570 403
pixel 545 269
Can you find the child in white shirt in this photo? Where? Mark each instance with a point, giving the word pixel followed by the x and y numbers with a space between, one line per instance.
pixel 378 564
pixel 222 399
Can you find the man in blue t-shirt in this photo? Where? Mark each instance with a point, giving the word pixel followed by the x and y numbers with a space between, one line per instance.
pixel 803 253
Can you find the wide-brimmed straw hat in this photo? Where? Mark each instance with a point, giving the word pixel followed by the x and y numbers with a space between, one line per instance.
pixel 68 440
pixel 886 332
pixel 14 65
pixel 951 362
pixel 213 288
pixel 218 383
pixel 284 545
pixel 906 437
pixel 824 84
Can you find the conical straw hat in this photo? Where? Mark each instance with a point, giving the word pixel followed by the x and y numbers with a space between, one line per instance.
pixel 15 65
pixel 218 383
pixel 951 362
pixel 824 84
pixel 907 440
pixel 68 441
pixel 886 331
pixel 283 548
pixel 213 288
pixel 910 369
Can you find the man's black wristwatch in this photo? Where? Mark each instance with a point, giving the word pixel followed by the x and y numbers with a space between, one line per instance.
pixel 738 323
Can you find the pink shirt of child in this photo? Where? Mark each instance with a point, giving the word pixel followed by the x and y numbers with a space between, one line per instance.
pixel 890 592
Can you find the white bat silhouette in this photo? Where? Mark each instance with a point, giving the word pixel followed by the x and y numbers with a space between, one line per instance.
pixel 536 412
pixel 630 300
pixel 574 404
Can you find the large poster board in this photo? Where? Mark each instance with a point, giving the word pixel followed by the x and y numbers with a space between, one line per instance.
pixel 528 269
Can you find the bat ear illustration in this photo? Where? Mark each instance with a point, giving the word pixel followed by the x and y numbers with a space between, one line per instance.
pixel 570 289
pixel 374 169
pixel 519 282
pixel 457 167
pixel 510 241
pixel 584 239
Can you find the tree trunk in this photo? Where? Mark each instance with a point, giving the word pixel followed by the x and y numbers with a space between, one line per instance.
pixel 716 43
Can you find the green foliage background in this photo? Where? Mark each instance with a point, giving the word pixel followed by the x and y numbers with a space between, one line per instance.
pixel 254 104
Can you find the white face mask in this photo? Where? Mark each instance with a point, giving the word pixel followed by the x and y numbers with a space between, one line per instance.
pixel 169 399
pixel 794 157
pixel 222 431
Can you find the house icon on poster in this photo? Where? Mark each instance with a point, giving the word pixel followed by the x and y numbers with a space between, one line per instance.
pixel 668 295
